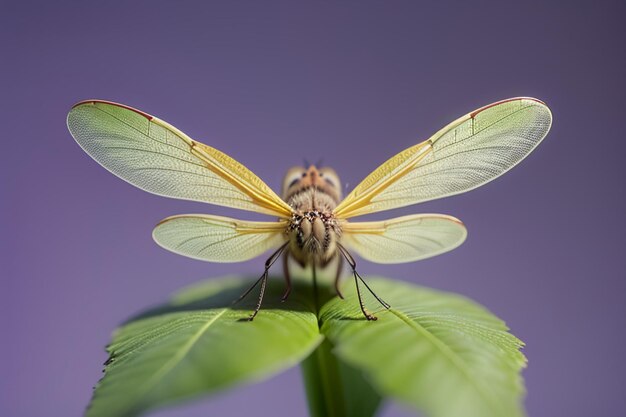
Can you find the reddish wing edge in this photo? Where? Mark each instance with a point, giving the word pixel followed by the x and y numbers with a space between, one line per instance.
pixel 150 117
pixel 112 103
pixel 475 112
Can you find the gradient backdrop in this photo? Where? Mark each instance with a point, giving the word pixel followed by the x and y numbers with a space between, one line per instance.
pixel 270 83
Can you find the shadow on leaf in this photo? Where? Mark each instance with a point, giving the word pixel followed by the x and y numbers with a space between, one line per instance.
pixel 224 292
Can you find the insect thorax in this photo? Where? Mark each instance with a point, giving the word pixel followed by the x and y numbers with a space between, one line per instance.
pixel 313 231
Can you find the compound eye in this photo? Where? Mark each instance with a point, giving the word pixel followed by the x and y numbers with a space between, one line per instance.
pixel 293 176
pixel 330 177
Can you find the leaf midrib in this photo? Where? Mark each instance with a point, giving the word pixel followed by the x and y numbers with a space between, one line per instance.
pixel 170 364
pixel 450 355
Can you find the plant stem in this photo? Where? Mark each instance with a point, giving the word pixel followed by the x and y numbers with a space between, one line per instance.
pixel 316 297
pixel 322 382
pixel 334 389
pixel 320 372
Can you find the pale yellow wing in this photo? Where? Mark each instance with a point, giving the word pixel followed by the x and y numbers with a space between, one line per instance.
pixel 404 239
pixel 465 154
pixel 218 239
pixel 156 157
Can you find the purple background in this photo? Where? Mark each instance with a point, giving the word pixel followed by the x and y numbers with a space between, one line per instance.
pixel 270 84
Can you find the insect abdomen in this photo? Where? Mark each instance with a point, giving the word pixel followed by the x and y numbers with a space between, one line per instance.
pixel 313 237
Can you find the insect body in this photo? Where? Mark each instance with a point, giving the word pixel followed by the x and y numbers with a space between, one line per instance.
pixel 314 226
pixel 313 230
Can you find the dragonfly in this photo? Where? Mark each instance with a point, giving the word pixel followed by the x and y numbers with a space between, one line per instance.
pixel 313 225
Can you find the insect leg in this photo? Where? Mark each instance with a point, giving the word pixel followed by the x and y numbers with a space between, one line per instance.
pixel 261 294
pixel 263 280
pixel 338 276
pixel 287 276
pixel 358 278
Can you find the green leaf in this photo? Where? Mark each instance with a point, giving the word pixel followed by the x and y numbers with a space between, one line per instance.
pixel 198 344
pixel 438 352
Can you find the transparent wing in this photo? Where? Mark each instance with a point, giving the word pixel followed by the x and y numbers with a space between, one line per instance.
pixel 218 239
pixel 465 154
pixel 404 239
pixel 156 157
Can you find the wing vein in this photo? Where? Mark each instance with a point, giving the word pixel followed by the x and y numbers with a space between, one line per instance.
pixel 486 143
